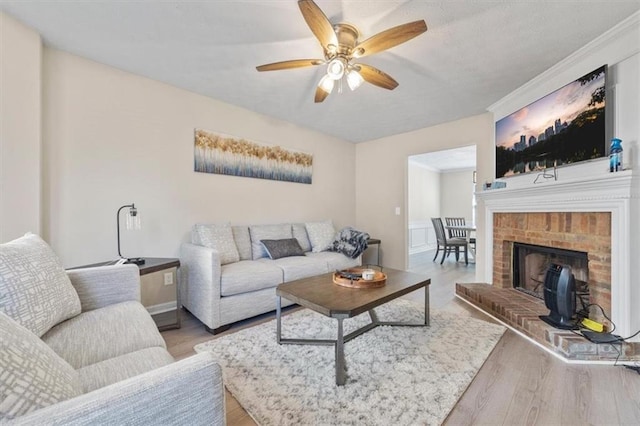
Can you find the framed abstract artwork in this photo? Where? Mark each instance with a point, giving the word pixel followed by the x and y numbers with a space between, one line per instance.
pixel 223 154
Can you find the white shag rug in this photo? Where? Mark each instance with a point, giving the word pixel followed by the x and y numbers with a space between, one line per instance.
pixel 395 375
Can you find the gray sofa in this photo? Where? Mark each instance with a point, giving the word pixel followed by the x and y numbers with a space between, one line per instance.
pixel 77 347
pixel 227 275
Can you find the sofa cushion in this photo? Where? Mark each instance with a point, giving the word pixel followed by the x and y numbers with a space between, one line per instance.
pixel 248 275
pixel 300 233
pixel 101 374
pixel 104 333
pixel 32 375
pixel 243 241
pixel 297 267
pixel 321 235
pixel 282 248
pixel 335 261
pixel 34 288
pixel 218 237
pixel 267 232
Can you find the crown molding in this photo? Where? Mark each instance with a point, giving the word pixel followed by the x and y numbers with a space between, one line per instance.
pixel 624 28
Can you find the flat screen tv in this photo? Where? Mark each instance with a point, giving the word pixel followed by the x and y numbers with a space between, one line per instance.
pixel 565 127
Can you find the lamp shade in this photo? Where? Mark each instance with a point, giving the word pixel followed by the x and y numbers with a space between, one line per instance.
pixel 326 84
pixel 132 223
pixel 354 79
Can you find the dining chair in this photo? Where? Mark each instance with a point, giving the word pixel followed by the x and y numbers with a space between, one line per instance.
pixel 448 243
pixel 461 233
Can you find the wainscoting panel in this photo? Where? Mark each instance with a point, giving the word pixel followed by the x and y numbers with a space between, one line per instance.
pixel 421 237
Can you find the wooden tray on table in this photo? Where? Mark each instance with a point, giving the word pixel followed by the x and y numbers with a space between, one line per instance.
pixel 379 279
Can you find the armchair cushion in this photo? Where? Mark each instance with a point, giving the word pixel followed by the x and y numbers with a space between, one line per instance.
pixel 105 333
pixel 34 288
pixel 104 373
pixel 32 376
pixel 218 237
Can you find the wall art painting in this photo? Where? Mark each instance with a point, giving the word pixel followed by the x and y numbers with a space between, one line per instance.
pixel 223 154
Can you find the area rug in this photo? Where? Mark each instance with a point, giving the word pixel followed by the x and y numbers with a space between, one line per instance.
pixel 395 376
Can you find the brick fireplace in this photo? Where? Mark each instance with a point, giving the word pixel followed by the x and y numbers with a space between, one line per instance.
pixel 588 232
pixel 584 214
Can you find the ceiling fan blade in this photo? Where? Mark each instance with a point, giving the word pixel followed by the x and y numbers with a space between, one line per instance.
pixel 319 24
pixel 389 38
pixel 376 77
pixel 295 63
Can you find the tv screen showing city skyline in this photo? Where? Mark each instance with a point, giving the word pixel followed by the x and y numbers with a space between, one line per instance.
pixel 566 126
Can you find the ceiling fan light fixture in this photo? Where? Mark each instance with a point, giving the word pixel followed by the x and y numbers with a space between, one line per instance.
pixel 336 68
pixel 326 83
pixel 354 79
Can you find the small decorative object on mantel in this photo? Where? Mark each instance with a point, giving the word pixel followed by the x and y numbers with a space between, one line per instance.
pixel 360 278
pixel 615 155
pixel 496 184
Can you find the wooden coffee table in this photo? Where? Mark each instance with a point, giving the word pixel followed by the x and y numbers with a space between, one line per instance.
pixel 323 296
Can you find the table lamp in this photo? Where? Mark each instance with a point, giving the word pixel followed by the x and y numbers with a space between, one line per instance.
pixel 132 223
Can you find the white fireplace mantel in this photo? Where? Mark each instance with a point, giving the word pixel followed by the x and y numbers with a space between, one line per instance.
pixel 617 193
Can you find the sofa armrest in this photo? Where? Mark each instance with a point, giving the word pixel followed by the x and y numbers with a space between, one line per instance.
pixel 187 392
pixel 105 285
pixel 200 271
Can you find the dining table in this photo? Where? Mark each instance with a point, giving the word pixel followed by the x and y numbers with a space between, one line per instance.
pixel 468 229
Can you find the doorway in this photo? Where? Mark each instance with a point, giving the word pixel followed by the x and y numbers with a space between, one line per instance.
pixel 440 184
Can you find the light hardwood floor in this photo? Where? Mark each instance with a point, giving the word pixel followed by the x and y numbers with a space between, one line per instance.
pixel 518 384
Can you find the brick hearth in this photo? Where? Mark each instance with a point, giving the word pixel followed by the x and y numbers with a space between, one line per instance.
pixel 521 311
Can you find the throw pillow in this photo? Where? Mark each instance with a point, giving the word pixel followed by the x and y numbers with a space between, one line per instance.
pixel 300 234
pixel 34 288
pixel 33 375
pixel 267 232
pixel 321 235
pixel 282 248
pixel 218 237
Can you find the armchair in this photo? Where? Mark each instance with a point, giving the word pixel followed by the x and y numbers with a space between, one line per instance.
pixel 89 352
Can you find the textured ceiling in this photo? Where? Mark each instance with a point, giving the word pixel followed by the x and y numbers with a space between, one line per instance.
pixel 474 53
pixel 447 160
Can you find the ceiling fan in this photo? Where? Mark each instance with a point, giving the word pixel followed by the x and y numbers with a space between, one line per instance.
pixel 341 47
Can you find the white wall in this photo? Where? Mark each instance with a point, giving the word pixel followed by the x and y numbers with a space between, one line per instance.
pixel 382 188
pixel 424 199
pixel 20 64
pixel 112 138
pixel 456 194
pixel 423 204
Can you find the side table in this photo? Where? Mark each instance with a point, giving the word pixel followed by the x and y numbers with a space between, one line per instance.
pixel 375 242
pixel 150 266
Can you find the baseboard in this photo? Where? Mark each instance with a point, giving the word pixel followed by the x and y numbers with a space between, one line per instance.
pixel 162 307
